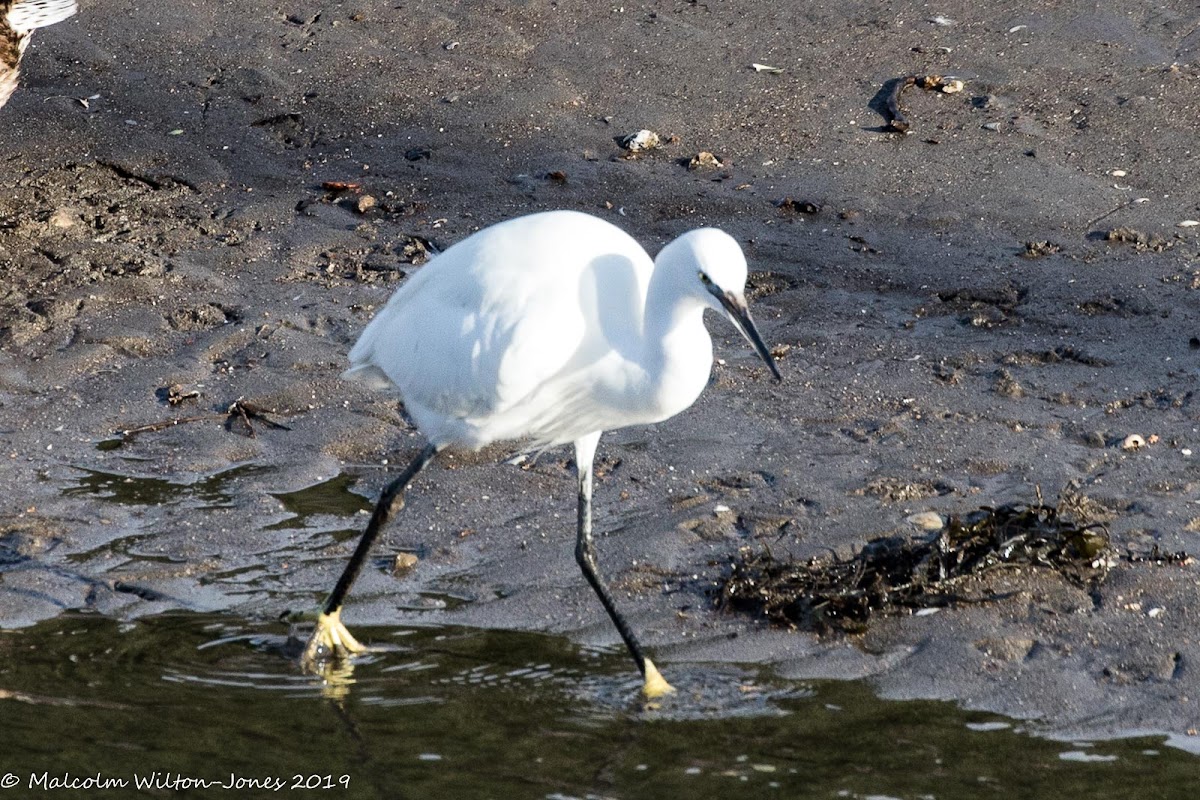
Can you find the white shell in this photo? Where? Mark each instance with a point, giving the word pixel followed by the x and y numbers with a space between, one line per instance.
pixel 1133 442
pixel 642 140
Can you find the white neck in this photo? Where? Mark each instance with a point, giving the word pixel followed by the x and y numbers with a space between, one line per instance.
pixel 677 350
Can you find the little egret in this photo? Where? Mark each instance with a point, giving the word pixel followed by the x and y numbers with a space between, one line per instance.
pixel 18 20
pixel 546 329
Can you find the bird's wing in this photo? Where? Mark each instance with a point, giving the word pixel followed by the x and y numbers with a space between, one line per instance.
pixel 543 319
pixel 467 340
pixel 25 16
pixel 492 330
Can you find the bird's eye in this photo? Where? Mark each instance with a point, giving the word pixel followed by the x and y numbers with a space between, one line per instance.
pixel 705 279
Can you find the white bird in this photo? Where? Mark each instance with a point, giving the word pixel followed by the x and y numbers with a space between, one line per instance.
pixel 18 20
pixel 546 329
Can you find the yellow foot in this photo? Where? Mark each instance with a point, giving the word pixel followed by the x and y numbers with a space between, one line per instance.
pixel 656 685
pixel 330 640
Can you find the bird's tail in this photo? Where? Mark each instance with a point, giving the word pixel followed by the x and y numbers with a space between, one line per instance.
pixel 25 16
pixel 369 375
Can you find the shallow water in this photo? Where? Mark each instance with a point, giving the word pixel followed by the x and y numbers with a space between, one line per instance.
pixel 211 491
pixel 333 496
pixel 182 699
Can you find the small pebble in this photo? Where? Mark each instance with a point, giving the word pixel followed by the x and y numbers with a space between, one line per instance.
pixel 705 160
pixel 926 520
pixel 1133 442
pixel 642 140
pixel 404 562
pixel 64 217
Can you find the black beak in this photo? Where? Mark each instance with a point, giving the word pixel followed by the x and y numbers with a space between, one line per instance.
pixel 739 314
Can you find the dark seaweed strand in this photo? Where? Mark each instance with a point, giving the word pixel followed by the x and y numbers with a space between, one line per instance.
pixel 887 575
pixel 898 121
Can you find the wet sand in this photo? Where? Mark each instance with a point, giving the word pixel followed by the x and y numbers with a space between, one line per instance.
pixel 164 223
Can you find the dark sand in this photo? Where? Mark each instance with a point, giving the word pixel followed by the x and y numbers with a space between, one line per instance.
pixel 173 231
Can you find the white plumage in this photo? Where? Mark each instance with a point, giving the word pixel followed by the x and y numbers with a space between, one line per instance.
pixel 549 327
pixel 546 329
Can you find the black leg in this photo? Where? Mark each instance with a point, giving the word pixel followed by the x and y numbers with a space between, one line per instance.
pixel 585 556
pixel 390 501
pixel 331 634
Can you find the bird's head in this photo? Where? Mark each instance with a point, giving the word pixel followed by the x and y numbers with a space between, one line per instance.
pixel 717 278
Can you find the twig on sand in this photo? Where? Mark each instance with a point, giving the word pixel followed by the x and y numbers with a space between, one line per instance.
pixel 129 433
pixel 237 417
pixel 239 414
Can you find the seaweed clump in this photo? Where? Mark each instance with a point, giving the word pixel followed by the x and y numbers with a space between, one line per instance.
pixel 893 574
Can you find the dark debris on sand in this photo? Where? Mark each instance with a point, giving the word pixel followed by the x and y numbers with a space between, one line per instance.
pixel 891 574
